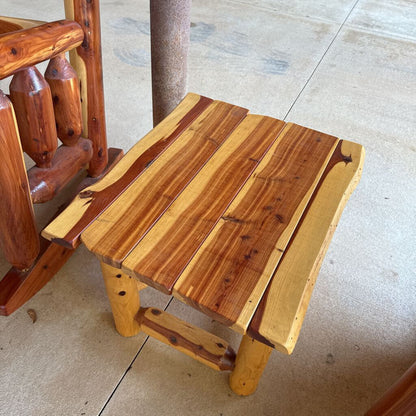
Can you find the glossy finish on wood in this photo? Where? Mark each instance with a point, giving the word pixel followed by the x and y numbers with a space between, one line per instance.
pixel 32 102
pixel 17 286
pixel 19 239
pixel 141 205
pixel 11 24
pixel 400 399
pixel 67 162
pixel 189 339
pixel 217 213
pixel 238 258
pixel 64 85
pixel 91 202
pixel 86 60
pixel 23 49
pixel 196 211
pixel 288 294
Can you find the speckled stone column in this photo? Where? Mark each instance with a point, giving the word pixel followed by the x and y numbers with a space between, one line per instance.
pixel 169 27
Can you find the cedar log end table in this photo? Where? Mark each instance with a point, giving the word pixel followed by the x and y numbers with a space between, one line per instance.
pixel 231 213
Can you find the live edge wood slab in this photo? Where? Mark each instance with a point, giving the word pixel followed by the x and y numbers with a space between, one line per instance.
pixel 230 212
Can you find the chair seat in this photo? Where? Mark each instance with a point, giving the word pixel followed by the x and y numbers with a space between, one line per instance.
pixel 230 212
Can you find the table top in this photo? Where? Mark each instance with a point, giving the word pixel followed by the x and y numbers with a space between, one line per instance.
pixel 230 212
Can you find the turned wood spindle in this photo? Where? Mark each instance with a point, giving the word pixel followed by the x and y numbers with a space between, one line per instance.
pixel 64 85
pixel 86 59
pixel 32 101
pixel 19 239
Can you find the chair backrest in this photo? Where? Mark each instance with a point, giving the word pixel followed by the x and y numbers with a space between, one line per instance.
pixel 64 103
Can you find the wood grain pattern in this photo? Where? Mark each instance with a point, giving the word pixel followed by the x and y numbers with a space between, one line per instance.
pixel 252 358
pixel 87 62
pixel 231 270
pixel 184 226
pixel 281 312
pixel 66 229
pixel 117 230
pixel 64 85
pixel 11 24
pixel 18 286
pixel 67 162
pixel 28 47
pixel 189 339
pixel 19 239
pixel 32 102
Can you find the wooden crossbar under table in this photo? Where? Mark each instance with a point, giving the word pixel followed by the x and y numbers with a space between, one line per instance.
pixel 230 212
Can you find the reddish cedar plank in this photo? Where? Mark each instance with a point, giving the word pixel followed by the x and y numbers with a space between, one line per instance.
pixel 279 316
pixel 230 272
pixel 195 212
pixel 117 231
pixel 98 201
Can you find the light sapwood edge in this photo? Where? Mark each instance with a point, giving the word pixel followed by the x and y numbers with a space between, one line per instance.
pixel 240 325
pixel 7 22
pixel 303 305
pixel 79 66
pixel 249 310
pixel 252 358
pixel 194 149
pixel 45 42
pixel 124 299
pixel 59 228
pixel 284 332
pixel 218 164
pixel 189 339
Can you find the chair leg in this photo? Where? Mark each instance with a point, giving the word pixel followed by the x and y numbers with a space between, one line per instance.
pixel 122 291
pixel 251 360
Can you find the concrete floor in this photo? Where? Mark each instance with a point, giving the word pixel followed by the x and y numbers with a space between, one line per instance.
pixel 346 67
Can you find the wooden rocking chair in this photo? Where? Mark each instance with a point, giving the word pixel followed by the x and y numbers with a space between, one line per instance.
pixel 66 103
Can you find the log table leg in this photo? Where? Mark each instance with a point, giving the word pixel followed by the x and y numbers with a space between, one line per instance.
pixel 122 291
pixel 251 360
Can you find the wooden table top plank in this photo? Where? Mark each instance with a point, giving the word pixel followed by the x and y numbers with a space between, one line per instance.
pixel 89 204
pixel 119 228
pixel 279 317
pixel 187 222
pixel 230 272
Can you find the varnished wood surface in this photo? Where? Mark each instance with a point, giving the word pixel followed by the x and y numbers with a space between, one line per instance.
pixel 227 277
pixel 117 230
pixel 87 62
pixel 400 399
pixel 95 199
pixel 67 162
pixel 17 286
pixel 281 312
pixel 32 102
pixel 28 47
pixel 192 216
pixel 189 339
pixel 11 24
pixel 265 198
pixel 64 85
pixel 19 239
